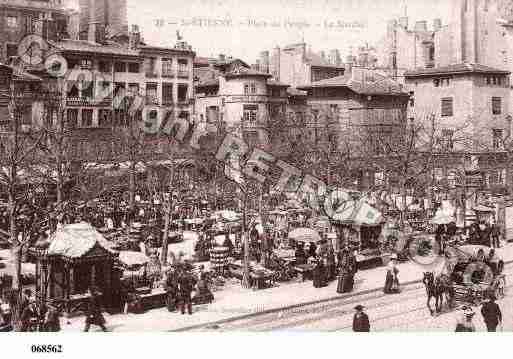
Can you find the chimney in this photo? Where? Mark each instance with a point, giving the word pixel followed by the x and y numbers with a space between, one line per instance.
pixel 403 22
pixel 335 58
pixel 420 26
pixel 134 37
pixel 437 24
pixel 264 61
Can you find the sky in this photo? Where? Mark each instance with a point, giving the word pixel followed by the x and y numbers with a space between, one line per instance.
pixel 243 28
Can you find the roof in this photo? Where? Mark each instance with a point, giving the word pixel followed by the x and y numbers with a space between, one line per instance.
pixel 94 48
pixel 381 86
pixel 76 240
pixel 150 48
pixel 273 82
pixel 242 72
pixel 463 68
pixel 207 76
pixel 317 61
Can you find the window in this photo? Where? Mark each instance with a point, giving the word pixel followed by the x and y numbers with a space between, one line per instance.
pixel 213 114
pixel 447 107
pixel 120 67
pixel 72 118
pixel 182 92
pixel 494 80
pixel 431 54
pixel 86 64
pixel 133 89
pixel 12 50
pixel 246 89
pixel 105 66
pixel 167 93
pixel 73 91
pixel 250 113
pixel 104 118
pixel 183 68
pixel 167 67
pixel 87 118
pixel 151 93
pixel 253 88
pixel 447 140
pixel 498 139
pixel 133 67
pixel 488 80
pixel 436 82
pixel 496 105
pixel 12 22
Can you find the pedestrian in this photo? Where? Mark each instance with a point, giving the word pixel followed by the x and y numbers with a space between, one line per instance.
pixel 360 320
pixel 492 314
pixel 392 280
pixel 495 235
pixel 172 288
pixel 319 274
pixel 464 323
pixel 28 315
pixel 186 286
pixel 52 320
pixel 94 314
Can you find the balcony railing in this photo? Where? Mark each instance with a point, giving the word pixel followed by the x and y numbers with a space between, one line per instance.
pixel 49 5
pixel 168 74
pixel 183 74
pixel 88 101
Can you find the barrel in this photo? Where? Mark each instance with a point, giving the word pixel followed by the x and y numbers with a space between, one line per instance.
pixel 219 256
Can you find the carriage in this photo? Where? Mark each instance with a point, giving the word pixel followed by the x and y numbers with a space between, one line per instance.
pixel 474 279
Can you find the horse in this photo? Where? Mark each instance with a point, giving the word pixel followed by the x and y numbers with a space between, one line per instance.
pixel 437 287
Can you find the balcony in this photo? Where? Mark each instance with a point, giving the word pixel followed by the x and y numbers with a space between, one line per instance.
pixel 168 74
pixel 88 102
pixel 183 74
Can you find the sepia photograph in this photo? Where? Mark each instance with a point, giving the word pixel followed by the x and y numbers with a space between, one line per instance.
pixel 229 166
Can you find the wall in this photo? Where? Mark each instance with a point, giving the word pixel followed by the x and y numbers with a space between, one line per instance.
pixel 472 117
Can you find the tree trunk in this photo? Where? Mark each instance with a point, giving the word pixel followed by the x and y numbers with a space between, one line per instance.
pixel 59 182
pixel 131 186
pixel 165 238
pixel 246 280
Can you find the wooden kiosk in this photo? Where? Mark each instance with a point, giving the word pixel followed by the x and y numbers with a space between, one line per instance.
pixel 76 258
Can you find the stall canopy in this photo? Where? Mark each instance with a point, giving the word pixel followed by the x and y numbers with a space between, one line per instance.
pixel 226 215
pixel 76 240
pixel 358 213
pixel 443 217
pixel 305 235
pixel 131 258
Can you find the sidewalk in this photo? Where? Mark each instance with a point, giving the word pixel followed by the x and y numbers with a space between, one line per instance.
pixel 234 301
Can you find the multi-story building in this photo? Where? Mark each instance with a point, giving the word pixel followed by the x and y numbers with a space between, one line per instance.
pixel 109 15
pixel 359 113
pixel 403 48
pixel 232 93
pixel 467 108
pixel 296 65
pixel 19 18
pixel 169 81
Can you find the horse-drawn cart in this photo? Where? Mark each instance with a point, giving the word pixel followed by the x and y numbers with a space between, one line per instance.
pixel 475 275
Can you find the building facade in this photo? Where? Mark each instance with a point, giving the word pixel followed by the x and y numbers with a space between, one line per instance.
pixel 404 48
pixel 296 65
pixel 237 96
pixel 19 18
pixel 467 108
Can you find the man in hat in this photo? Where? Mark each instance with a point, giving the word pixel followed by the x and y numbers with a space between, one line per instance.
pixel 492 314
pixel 360 320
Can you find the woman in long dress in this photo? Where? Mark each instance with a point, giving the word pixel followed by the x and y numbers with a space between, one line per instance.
pixel 391 280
